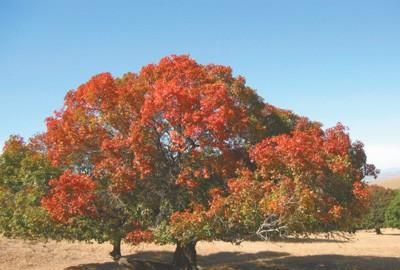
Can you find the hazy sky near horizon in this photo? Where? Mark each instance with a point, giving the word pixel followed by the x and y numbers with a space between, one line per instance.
pixel 329 60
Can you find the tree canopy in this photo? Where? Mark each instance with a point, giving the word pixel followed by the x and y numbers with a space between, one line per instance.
pixel 24 172
pixel 379 200
pixel 182 152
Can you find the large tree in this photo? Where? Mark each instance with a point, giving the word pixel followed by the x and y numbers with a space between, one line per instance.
pixel 182 152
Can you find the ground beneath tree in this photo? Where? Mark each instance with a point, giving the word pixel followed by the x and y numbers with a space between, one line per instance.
pixel 364 251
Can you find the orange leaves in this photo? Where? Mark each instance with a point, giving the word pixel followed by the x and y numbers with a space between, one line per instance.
pixel 191 178
pixel 174 113
pixel 244 182
pixel 313 173
pixel 185 178
pixel 188 119
pixel 189 96
pixel 178 142
pixel 360 191
pixel 197 132
pixel 337 141
pixel 189 224
pixel 299 152
pixel 93 129
pixel 71 195
pixel 175 125
pixel 138 236
pixel 188 216
pixel 336 212
pixel 307 151
pixel 98 93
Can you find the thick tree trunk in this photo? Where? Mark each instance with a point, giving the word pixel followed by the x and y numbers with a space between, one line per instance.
pixel 185 256
pixel 116 252
pixel 378 230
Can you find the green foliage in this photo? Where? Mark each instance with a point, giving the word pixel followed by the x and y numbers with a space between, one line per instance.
pixel 379 201
pixel 392 215
pixel 24 175
pixel 24 172
pixel 279 121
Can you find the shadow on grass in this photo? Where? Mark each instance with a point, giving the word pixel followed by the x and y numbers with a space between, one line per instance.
pixel 253 261
pixel 133 264
pixel 212 259
pixel 322 262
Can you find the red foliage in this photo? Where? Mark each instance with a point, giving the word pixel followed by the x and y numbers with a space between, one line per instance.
pixel 361 191
pixel 71 195
pixel 310 169
pixel 185 127
pixel 125 127
pixel 139 236
pixel 189 111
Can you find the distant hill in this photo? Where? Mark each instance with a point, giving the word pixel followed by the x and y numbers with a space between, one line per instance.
pixel 390 173
pixel 393 183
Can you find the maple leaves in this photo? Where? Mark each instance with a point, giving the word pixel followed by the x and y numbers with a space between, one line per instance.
pixel 139 236
pixel 304 181
pixel 313 171
pixel 71 195
pixel 180 152
pixel 91 133
pixel 197 139
pixel 188 112
pixel 163 135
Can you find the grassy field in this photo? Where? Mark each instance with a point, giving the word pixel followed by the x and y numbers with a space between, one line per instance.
pixel 363 251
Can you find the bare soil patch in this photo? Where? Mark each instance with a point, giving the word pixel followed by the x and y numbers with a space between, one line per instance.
pixel 364 251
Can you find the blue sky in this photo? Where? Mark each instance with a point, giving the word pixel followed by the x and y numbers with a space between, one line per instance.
pixel 328 60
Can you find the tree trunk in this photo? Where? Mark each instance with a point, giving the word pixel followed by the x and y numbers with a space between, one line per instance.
pixel 116 252
pixel 378 230
pixel 185 256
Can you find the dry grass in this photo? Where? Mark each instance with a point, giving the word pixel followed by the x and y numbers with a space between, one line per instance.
pixel 364 251
pixel 393 183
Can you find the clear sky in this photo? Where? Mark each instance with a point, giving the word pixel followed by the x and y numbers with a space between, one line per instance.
pixel 330 60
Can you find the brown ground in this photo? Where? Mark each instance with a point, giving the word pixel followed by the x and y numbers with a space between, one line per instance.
pixel 364 251
pixel 393 183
